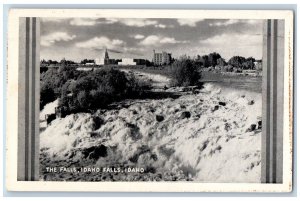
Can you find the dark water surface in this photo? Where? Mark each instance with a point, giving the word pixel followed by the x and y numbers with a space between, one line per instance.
pixel 250 83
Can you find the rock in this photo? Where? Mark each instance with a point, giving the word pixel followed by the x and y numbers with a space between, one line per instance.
pixel 243 96
pixel 222 103
pixel 140 151
pixel 134 158
pixel 227 127
pixel 165 87
pixel 251 102
pixel 150 169
pixel 259 125
pixel 183 89
pixel 182 107
pixel 95 152
pixel 196 91
pixel 218 148
pixel 215 108
pixel 129 125
pixel 154 157
pixel 185 114
pixel 204 145
pixel 50 117
pixel 110 119
pixel 97 122
pixel 94 134
pixel 159 118
pixel 251 128
pixel 134 112
pixel 134 131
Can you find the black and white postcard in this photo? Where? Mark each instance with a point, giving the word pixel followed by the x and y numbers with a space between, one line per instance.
pixel 150 100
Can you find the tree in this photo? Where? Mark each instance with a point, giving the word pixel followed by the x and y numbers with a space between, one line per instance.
pixel 237 61
pixel 97 89
pixel 248 64
pixel 46 95
pixel 221 62
pixel 199 60
pixel 250 59
pixel 184 72
pixel 87 61
pixel 212 58
pixel 205 61
pixel 43 61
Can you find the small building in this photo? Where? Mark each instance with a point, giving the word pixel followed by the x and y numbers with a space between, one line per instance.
pixel 140 61
pixel 162 58
pixel 90 64
pixel 127 61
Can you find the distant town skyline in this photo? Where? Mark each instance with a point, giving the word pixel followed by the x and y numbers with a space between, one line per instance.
pixel 87 38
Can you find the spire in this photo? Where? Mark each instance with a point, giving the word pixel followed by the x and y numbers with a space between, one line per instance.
pixel 106 54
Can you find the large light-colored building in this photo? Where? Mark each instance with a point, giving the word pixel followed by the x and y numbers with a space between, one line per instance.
pixel 162 58
pixel 99 61
pixel 127 61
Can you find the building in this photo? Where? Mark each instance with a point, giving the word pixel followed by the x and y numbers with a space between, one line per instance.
pixel 99 61
pixel 127 61
pixel 105 60
pixel 140 61
pixel 162 58
pixel 90 64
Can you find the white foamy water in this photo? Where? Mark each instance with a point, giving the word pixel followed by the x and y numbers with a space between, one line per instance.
pixel 212 145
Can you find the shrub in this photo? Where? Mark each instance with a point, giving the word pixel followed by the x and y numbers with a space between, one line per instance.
pixel 213 58
pixel 221 62
pixel 184 73
pixel 47 95
pixel 53 80
pixel 237 61
pixel 99 88
pixel 249 64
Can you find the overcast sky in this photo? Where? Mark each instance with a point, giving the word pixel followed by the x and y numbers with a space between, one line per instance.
pixel 80 38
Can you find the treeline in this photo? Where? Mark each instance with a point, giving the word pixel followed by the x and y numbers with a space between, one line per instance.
pixel 85 61
pixel 44 62
pixel 211 60
pixel 238 62
pixel 54 62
